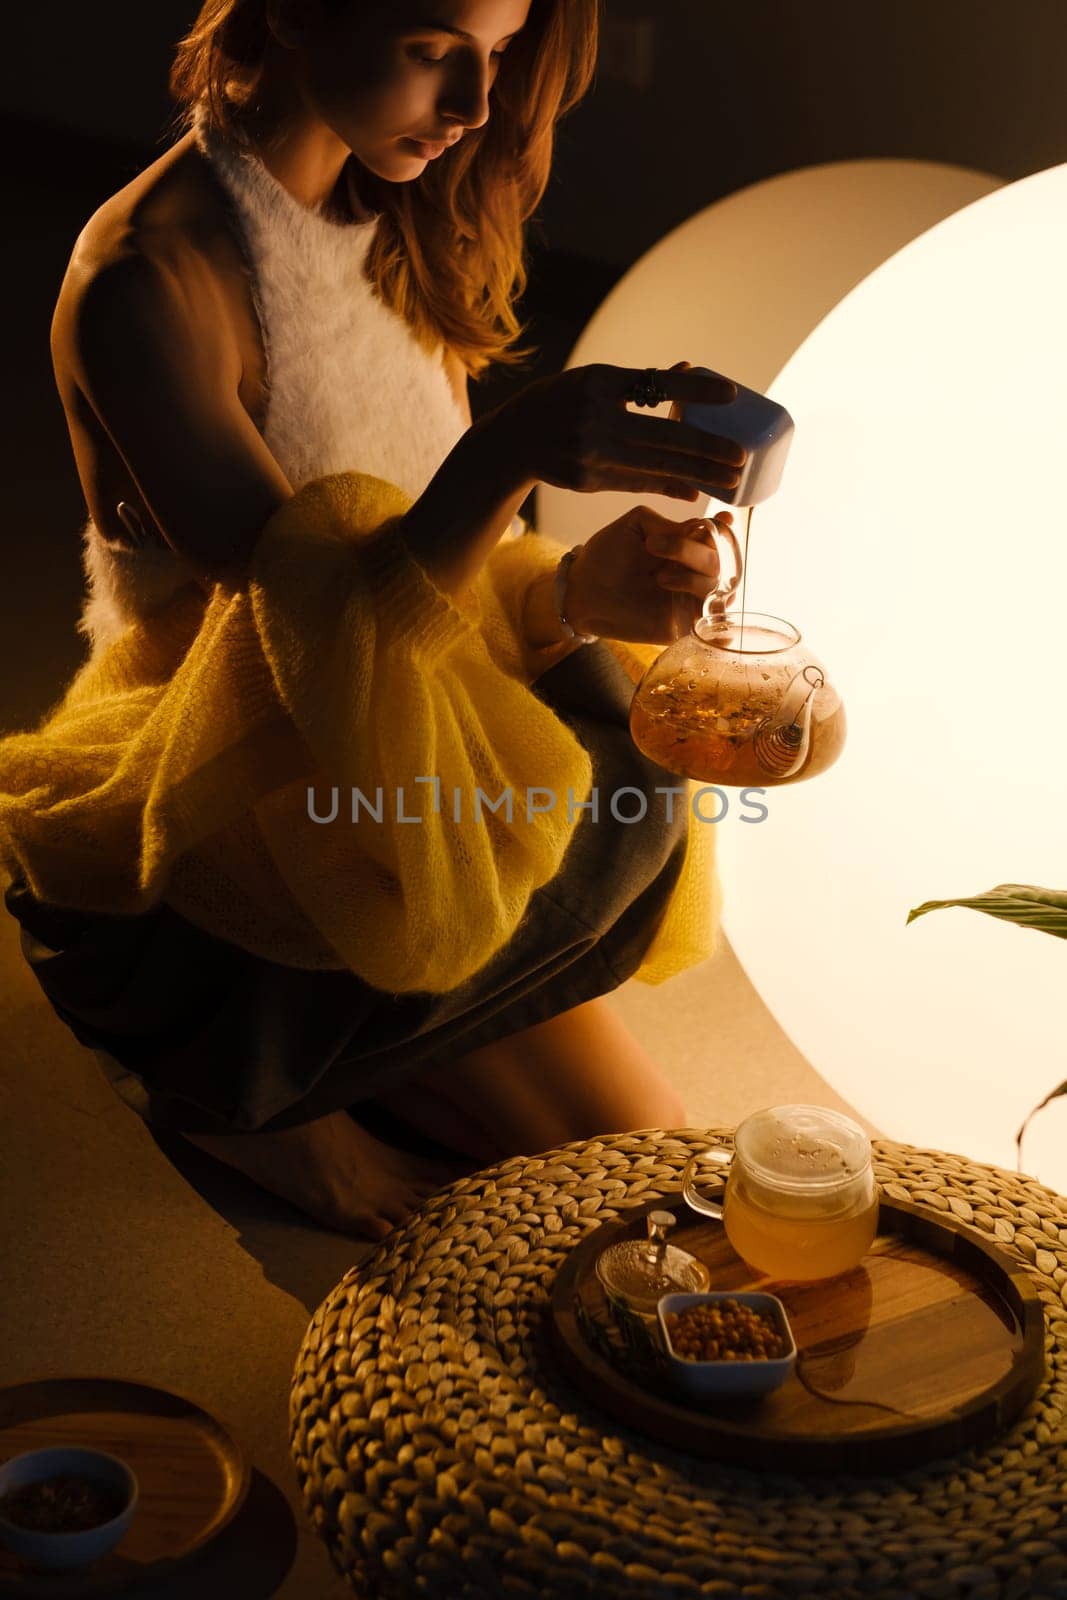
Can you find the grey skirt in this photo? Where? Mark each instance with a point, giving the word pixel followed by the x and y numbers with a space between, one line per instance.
pixel 211 1039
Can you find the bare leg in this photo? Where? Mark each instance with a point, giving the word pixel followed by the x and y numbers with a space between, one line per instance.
pixel 428 1103
pixel 579 1074
pixel 336 1171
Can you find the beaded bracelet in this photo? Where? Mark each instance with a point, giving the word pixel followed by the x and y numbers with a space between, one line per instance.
pixel 561 584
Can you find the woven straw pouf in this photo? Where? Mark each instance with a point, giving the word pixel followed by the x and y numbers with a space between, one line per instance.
pixel 441 1452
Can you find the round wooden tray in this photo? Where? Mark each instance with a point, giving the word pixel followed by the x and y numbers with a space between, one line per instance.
pixel 934 1343
pixel 192 1475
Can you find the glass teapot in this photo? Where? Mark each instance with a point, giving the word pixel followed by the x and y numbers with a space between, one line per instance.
pixel 739 700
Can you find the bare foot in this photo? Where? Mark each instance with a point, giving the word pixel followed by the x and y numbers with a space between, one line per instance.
pixel 336 1171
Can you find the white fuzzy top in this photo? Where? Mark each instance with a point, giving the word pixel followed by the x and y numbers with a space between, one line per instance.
pixel 348 387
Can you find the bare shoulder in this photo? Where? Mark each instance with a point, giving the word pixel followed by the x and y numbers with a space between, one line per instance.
pixel 156 362
pixel 165 235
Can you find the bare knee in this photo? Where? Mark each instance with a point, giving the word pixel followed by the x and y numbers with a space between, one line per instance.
pixel 577 1076
pixel 657 1109
pixel 653 1115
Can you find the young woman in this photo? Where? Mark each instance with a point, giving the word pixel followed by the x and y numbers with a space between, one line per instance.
pixel 302 285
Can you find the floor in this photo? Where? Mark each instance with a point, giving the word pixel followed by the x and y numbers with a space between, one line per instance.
pixel 130 1256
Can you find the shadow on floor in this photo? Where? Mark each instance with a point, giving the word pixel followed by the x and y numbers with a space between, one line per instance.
pixel 303 1260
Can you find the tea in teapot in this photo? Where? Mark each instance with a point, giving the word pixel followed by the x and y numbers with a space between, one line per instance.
pixel 739 700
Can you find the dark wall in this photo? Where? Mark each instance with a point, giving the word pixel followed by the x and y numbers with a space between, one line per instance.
pixel 95 68
pixel 743 91
pixel 738 92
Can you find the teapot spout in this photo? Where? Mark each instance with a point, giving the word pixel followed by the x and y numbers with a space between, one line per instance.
pixel 782 740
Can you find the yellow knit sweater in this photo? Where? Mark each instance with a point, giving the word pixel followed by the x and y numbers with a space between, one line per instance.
pixel 178 763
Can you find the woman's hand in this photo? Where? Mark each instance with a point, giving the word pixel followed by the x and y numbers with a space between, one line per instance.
pixel 573 430
pixel 623 584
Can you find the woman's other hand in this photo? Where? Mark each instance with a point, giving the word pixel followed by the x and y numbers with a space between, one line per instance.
pixel 644 577
pixel 573 430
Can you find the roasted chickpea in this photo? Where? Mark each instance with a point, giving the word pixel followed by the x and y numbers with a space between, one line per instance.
pixel 725 1331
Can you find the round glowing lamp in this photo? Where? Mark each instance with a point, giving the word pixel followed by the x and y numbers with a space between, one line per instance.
pixel 920 536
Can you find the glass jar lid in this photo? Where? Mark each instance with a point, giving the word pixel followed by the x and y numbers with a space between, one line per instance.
pixel 803 1147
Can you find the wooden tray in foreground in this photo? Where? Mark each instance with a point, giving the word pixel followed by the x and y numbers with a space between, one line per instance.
pixel 191 1474
pixel 933 1344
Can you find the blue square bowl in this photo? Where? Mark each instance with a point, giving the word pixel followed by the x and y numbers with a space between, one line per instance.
pixel 728 1377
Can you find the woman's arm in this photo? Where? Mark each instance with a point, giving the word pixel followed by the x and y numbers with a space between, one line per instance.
pixel 467 506
pixel 544 641
pixel 147 341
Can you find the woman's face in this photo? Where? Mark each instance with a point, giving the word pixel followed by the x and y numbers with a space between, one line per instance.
pixel 387 75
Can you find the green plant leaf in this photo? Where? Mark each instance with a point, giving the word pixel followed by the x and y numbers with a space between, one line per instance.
pixel 1053 1094
pixel 1044 909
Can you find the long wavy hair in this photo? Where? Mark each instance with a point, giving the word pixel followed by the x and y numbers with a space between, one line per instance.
pixel 449 253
